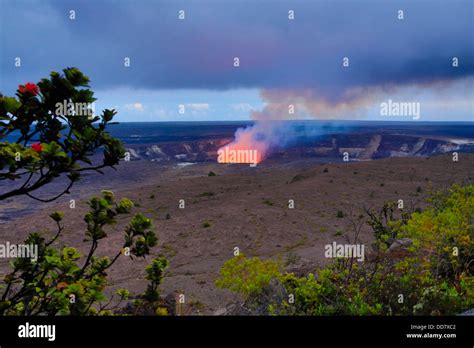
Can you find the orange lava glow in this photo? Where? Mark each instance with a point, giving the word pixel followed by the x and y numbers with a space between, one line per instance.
pixel 244 149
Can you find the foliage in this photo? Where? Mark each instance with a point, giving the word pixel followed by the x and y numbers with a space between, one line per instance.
pixel 51 140
pixel 57 284
pixel 329 294
pixel 385 224
pixel 247 276
pixel 433 276
pixel 56 133
pixel 443 234
pixel 150 302
pixel 154 274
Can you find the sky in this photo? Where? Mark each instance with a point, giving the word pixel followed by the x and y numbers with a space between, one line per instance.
pixel 184 69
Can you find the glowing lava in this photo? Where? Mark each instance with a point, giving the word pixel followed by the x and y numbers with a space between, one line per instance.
pixel 246 148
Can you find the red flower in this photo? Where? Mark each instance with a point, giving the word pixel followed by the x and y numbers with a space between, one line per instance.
pixel 37 147
pixel 29 88
pixel 62 285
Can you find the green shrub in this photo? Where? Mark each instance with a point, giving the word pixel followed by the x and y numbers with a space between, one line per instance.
pixel 433 276
pixel 154 273
pixel 206 194
pixel 59 282
pixel 247 276
pixel 64 141
pixel 268 202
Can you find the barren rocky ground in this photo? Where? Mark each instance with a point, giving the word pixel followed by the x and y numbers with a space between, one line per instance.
pixel 239 207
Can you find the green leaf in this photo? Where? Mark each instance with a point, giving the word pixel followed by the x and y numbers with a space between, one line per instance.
pixel 11 104
pixel 57 216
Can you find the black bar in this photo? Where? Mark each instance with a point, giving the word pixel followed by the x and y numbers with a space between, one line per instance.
pixel 243 330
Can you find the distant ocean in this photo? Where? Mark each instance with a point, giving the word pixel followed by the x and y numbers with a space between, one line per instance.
pixel 158 132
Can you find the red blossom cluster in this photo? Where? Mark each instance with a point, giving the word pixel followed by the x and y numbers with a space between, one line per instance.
pixel 29 88
pixel 37 147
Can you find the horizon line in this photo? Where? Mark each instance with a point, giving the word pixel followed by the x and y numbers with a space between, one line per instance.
pixel 302 120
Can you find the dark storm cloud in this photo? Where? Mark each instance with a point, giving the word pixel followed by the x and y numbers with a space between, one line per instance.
pixel 274 52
